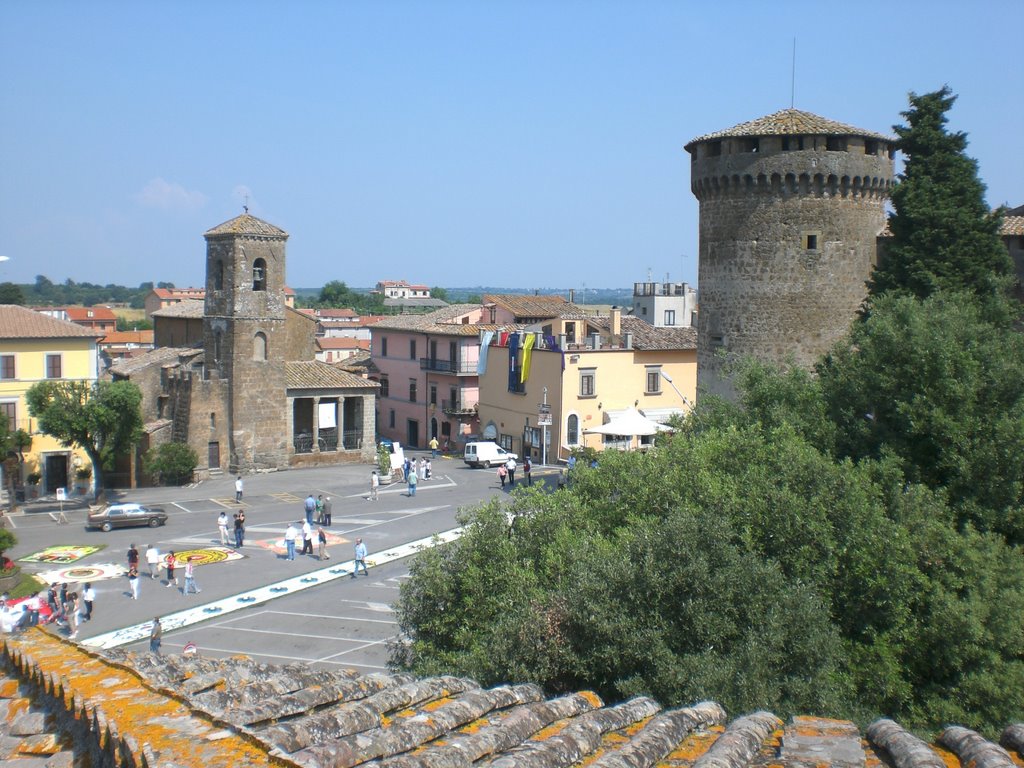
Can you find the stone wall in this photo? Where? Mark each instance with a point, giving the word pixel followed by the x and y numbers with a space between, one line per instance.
pixel 787 243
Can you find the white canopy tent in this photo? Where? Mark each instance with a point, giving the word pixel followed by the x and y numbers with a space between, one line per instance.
pixel 629 423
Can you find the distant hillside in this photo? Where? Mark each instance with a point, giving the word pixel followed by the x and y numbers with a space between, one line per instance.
pixel 610 296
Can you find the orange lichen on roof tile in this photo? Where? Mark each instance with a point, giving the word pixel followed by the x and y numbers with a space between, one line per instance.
pixel 592 698
pixel 871 758
pixel 16 707
pixel 552 730
pixel 436 704
pixel 174 733
pixel 8 689
pixel 1017 760
pixel 949 758
pixel 694 747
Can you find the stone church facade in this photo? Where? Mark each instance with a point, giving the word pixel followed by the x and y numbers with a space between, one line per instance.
pixel 791 206
pixel 250 396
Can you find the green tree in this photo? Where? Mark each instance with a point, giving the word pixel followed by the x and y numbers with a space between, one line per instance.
pixel 437 292
pixel 943 234
pixel 13 444
pixel 937 386
pixel 335 294
pixel 11 293
pixel 172 463
pixel 103 419
pixel 139 324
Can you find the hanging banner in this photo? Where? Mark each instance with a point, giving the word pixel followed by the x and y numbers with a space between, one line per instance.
pixel 327 415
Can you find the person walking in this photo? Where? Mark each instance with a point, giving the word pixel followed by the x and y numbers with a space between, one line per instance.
pixel 169 562
pixel 310 506
pixel 423 468
pixel 74 615
pixel 406 468
pixel 412 484
pixel 510 465
pixel 320 509
pixel 327 511
pixel 428 472
pixel 222 526
pixel 374 485
pixel 88 597
pixel 133 582
pixel 133 556
pixel 527 468
pixel 238 489
pixel 502 474
pixel 51 602
pixel 63 598
pixel 153 561
pixel 307 539
pixel 360 559
pixel 156 636
pixel 289 540
pixel 190 578
pixel 239 529
pixel 433 447
pixel 321 538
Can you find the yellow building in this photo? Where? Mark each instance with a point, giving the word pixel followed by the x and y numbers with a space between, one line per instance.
pixel 587 369
pixel 35 347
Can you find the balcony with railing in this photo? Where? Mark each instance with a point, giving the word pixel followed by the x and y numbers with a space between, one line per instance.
pixel 457 408
pixel 453 367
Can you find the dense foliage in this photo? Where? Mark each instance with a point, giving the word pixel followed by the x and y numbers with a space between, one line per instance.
pixel 103 419
pixel 171 463
pixel 845 544
pixel 14 443
pixel 337 295
pixel 45 292
pixel 943 235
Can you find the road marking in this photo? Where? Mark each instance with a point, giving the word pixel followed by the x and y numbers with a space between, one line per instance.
pixel 289 498
pixel 364 646
pixel 236 651
pixel 327 616
pixel 303 634
pixel 264 594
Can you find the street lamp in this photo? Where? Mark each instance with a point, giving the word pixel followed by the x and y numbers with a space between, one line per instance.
pixel 666 377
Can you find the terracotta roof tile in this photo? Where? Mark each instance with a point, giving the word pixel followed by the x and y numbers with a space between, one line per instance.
pixel 789 122
pixel 159 356
pixel 128 337
pixel 192 308
pixel 312 374
pixel 528 305
pixel 22 323
pixel 1012 225
pixel 77 314
pixel 442 321
pixel 246 224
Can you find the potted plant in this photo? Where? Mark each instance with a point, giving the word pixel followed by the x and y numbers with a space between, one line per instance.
pixel 10 574
pixel 32 480
pixel 82 477
pixel 383 463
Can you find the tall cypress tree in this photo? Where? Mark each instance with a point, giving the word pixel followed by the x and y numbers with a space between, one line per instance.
pixel 944 237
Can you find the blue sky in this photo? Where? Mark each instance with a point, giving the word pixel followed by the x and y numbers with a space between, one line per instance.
pixel 518 144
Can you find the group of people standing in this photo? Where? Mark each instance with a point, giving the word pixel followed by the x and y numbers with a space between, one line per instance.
pixel 507 472
pixel 238 526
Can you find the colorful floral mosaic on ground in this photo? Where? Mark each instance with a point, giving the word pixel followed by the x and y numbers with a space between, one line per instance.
pixel 60 555
pixel 203 556
pixel 81 573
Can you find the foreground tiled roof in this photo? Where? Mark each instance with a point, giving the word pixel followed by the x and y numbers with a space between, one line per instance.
pixel 189 710
pixel 128 337
pixel 21 323
pixel 529 305
pixel 180 293
pixel 190 308
pixel 789 122
pixel 246 224
pixel 312 374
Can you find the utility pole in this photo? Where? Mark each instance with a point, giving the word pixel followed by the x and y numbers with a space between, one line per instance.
pixel 544 434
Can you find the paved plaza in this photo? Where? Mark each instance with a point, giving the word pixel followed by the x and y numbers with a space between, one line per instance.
pixel 261 604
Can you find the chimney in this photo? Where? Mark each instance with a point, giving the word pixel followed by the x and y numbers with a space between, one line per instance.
pixel 615 321
pixel 572 296
pixel 628 341
pixel 595 341
pixel 561 341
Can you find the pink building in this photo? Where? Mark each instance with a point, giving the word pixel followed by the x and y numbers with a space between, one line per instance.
pixel 427 369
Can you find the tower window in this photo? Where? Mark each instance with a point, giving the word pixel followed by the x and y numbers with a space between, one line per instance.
pixel 792 143
pixel 715 149
pixel 811 241
pixel 218 275
pixel 835 143
pixel 259 346
pixel 870 147
pixel 259 275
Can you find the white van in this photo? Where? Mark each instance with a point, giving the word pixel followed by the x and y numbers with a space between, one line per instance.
pixel 486 454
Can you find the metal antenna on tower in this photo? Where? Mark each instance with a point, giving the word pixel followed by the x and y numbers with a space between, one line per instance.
pixel 245 205
pixel 792 81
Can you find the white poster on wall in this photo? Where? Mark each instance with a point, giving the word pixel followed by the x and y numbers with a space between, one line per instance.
pixel 327 415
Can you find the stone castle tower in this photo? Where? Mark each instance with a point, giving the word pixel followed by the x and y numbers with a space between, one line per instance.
pixel 245 339
pixel 790 208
